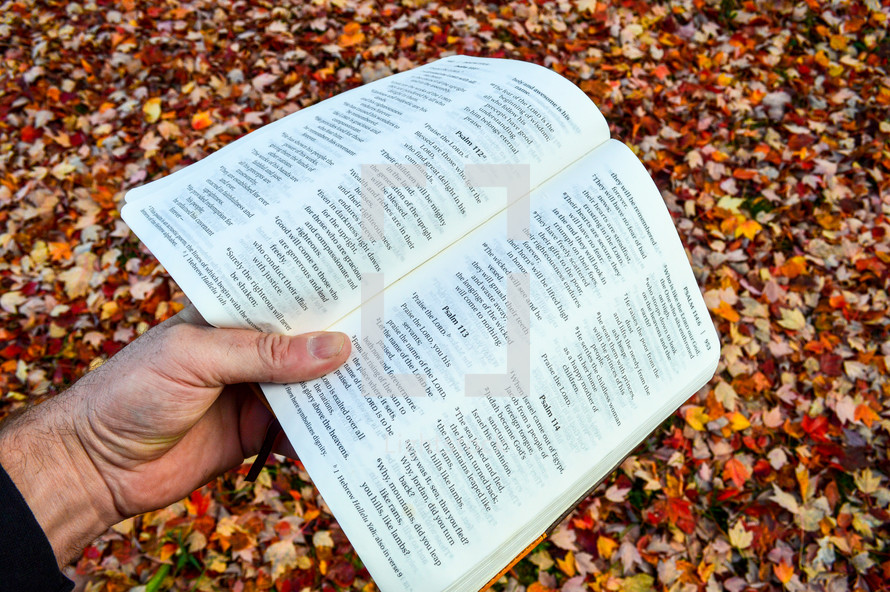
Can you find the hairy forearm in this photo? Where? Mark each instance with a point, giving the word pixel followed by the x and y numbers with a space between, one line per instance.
pixel 42 453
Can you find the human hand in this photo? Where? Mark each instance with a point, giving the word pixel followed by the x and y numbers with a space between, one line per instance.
pixel 159 419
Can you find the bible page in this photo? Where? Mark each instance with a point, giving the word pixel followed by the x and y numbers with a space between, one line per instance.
pixel 276 230
pixel 444 446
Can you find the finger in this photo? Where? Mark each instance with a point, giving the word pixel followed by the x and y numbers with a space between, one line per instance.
pixel 217 357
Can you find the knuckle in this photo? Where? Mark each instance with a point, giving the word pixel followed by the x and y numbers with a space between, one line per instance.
pixel 273 349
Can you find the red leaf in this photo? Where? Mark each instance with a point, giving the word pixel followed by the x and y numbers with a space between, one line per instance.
pixel 815 427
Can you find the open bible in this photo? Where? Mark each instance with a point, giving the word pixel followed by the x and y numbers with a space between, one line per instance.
pixel 521 308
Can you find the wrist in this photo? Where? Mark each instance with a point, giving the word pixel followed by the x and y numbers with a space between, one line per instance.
pixel 42 453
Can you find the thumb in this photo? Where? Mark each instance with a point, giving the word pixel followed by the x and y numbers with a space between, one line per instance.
pixel 217 357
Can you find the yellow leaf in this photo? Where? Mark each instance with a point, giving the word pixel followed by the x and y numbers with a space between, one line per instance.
pixel 108 310
pixel 738 422
pixel 606 546
pixel 152 109
pixel 838 42
pixel 739 537
pixel 696 417
pixel 866 481
pixel 803 481
pixel 322 538
pixel 638 583
pixel 567 564
pixel 62 170
pixel 792 319
pixel 748 228
pixel 705 570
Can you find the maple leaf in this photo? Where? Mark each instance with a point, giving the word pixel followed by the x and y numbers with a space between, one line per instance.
pixel 282 555
pixel 638 583
pixel 150 143
pixel 261 81
pixel 202 120
pixel 725 310
pixel 738 422
pixel 739 537
pixel 564 538
pixel 696 417
pixel 567 564
pixel 748 229
pixel 151 109
pixel 77 278
pixel 605 546
pixel 865 414
pixel 10 301
pixel 792 319
pixel 352 35
pixel 784 571
pixel 661 71
pixel 736 471
pixel 867 481
pixel 786 500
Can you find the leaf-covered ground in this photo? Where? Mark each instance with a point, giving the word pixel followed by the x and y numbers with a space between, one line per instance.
pixel 765 124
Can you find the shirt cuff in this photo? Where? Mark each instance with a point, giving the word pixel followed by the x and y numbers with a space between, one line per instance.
pixel 27 561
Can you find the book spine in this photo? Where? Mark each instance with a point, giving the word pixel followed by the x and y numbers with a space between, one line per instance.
pixel 550 529
pixel 516 560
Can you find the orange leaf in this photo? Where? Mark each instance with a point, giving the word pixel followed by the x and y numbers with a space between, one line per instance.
pixel 705 570
pixel 865 414
pixel 803 480
pixel 167 551
pixel 793 267
pixel 59 251
pixel 201 120
pixel 311 514
pixel 736 471
pixel 727 312
pixel 748 228
pixel 352 35
pixel 539 587
pixel 661 72
pixel 783 571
